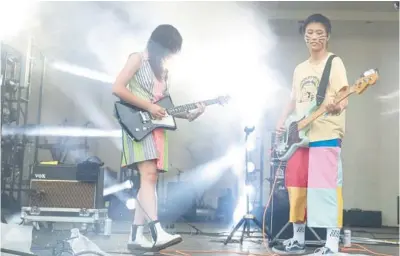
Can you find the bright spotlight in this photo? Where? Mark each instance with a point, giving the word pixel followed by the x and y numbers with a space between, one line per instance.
pixel 117 187
pixel 249 190
pixel 251 166
pixel 130 204
pixel 128 184
pixel 250 145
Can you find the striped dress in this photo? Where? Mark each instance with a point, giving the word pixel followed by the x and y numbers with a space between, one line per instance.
pixel 154 146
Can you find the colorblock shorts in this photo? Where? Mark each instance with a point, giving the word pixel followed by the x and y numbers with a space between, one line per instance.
pixel 314 182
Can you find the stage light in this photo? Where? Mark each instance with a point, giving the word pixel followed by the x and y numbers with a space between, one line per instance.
pixel 249 190
pixel 250 145
pixel 131 203
pixel 251 166
pixel 249 129
pixel 117 188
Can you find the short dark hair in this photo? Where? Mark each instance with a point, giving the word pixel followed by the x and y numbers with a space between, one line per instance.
pixel 316 18
pixel 164 40
pixel 168 37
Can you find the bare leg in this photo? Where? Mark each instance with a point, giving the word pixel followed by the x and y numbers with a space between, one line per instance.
pixel 145 208
pixel 147 196
pixel 139 214
pixel 148 201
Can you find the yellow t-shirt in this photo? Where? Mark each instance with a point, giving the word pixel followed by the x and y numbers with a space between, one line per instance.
pixel 306 80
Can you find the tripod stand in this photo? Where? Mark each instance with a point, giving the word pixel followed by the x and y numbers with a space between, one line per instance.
pixel 248 217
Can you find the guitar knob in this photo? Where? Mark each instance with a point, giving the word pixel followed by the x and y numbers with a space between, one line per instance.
pixel 137 129
pixel 144 128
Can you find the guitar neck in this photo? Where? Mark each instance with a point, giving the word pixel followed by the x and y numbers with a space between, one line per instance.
pixel 191 106
pixel 321 110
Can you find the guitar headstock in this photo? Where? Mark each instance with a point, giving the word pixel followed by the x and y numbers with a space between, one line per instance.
pixel 222 100
pixel 367 79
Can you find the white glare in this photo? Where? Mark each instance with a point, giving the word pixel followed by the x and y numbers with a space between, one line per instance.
pixel 61 131
pixel 14 15
pixel 117 187
pixel 226 53
pixel 131 203
pixel 250 145
pixel 251 166
pixel 249 190
pixel 240 209
pixel 83 72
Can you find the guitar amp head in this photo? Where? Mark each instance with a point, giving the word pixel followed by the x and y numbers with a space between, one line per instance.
pixel 66 186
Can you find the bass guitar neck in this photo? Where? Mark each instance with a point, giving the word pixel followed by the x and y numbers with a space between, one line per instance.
pixel 344 93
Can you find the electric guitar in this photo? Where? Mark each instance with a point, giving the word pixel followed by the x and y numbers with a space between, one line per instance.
pixel 297 127
pixel 138 123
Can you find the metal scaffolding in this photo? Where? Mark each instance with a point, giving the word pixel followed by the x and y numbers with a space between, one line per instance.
pixel 16 72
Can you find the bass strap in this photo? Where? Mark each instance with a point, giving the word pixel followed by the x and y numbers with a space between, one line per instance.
pixel 323 84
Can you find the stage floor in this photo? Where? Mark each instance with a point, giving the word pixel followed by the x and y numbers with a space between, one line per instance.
pixel 211 242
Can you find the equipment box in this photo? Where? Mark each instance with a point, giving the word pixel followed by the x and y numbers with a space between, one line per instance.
pixel 95 217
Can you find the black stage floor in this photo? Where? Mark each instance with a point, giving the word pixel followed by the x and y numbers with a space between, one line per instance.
pixel 209 243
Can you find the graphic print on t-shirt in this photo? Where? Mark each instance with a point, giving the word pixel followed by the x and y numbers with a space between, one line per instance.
pixel 308 89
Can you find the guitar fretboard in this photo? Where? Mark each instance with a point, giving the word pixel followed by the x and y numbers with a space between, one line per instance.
pixel 191 106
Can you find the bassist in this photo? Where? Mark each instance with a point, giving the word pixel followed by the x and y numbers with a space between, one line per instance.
pixel 141 82
pixel 314 174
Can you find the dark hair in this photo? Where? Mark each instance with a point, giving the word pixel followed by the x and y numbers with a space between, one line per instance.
pixel 164 40
pixel 316 18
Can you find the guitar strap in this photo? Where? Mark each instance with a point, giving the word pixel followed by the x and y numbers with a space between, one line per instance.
pixel 323 84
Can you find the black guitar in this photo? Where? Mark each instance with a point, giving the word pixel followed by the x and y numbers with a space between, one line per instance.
pixel 138 123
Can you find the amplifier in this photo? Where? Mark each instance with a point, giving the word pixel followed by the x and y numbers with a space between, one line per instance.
pixel 67 186
pixel 278 170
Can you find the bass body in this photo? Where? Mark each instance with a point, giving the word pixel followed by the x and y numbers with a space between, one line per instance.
pixel 293 137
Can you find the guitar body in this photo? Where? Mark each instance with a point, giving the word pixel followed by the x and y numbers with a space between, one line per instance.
pixel 139 123
pixel 293 138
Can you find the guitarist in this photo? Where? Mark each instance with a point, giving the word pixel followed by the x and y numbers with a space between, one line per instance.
pixel 314 174
pixel 141 82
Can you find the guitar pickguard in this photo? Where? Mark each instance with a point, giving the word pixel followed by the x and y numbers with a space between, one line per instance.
pixel 292 139
pixel 167 121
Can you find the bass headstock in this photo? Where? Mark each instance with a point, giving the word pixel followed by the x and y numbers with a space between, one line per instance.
pixel 367 79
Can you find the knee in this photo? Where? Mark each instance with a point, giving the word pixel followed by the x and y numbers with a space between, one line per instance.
pixel 148 173
pixel 151 177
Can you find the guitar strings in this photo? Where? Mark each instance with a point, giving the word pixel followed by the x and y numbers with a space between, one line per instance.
pixel 293 128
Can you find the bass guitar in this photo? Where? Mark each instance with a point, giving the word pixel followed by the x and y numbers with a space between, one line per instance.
pixel 138 123
pixel 297 127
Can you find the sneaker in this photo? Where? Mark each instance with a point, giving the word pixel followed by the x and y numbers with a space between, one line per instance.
pixel 323 251
pixel 289 246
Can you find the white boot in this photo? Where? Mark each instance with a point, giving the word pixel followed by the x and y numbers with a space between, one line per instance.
pixel 161 238
pixel 137 241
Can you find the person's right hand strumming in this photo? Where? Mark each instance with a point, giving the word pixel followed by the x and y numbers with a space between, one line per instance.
pixel 156 111
pixel 280 128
